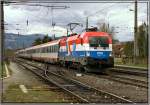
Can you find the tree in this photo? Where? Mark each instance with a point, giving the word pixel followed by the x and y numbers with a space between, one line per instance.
pixel 37 41
pixel 143 40
pixel 129 49
pixel 46 39
pixel 104 27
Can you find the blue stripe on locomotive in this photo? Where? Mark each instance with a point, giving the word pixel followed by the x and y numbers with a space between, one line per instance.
pixel 92 54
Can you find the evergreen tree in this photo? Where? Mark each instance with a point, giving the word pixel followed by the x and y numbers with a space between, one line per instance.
pixel 46 39
pixel 37 41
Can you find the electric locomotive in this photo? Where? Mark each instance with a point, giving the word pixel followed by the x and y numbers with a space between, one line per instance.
pixel 90 51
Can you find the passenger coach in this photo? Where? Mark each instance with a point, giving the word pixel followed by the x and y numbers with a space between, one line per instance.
pixel 47 52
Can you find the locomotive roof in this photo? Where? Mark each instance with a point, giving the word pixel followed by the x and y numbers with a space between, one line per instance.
pixel 94 34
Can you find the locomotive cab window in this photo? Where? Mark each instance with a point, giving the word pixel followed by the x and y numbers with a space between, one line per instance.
pixel 98 41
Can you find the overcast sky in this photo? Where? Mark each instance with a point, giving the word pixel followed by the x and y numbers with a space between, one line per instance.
pixel 39 18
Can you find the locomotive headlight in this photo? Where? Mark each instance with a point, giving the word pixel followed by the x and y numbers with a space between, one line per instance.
pixel 87 53
pixel 110 54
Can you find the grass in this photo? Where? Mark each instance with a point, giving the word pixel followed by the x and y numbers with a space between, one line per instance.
pixel 2 71
pixel 14 94
pixel 118 61
pixel 137 65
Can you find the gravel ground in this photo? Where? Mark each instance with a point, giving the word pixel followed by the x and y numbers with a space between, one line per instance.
pixel 133 77
pixel 133 93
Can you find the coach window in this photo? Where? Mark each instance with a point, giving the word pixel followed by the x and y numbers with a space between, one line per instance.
pixel 47 49
pixel 50 48
pixel 54 48
pixel 38 50
pixel 43 49
pixel 57 48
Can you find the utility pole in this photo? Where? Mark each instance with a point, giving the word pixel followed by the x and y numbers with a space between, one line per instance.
pixel 52 20
pixel 136 51
pixel 56 7
pixel 87 23
pixel 2 32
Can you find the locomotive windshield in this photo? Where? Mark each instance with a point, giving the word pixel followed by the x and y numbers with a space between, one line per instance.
pixel 98 42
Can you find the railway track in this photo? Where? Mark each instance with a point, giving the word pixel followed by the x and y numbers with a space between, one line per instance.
pixel 130 67
pixel 130 71
pixel 82 92
pixel 126 80
pixel 121 78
